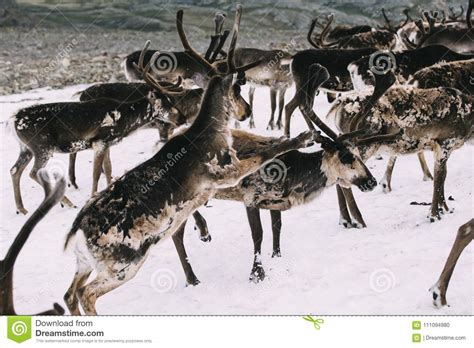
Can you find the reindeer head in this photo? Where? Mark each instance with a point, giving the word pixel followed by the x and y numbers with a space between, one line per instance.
pixel 342 164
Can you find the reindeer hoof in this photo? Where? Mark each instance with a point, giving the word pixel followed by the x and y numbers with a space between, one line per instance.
pixel 357 224
pixel 344 223
pixel 73 184
pixel 192 282
pixel 22 211
pixel 270 126
pixel 278 125
pixel 276 253
pixel 206 239
pixel 439 300
pixel 251 124
pixel 434 218
pixel 257 274
pixel 385 187
pixel 427 177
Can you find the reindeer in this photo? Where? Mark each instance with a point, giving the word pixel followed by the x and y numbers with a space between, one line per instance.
pixel 409 120
pixel 70 127
pixel 463 238
pixel 183 108
pixel 117 228
pixel 457 74
pixel 381 39
pixel 53 194
pixel 273 72
pixel 334 60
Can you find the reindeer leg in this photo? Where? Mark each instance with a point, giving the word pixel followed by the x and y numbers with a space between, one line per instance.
pixel 354 209
pixel 289 109
pixel 72 170
pixel 201 225
pixel 281 106
pixel 99 155
pixel 253 214
pixel 387 177
pixel 82 274
pixel 273 96
pixel 344 218
pixel 464 236
pixel 178 240
pixel 16 171
pixel 424 166
pixel 110 276
pixel 107 166
pixel 276 229
pixel 251 94
pixel 441 157
pixel 442 198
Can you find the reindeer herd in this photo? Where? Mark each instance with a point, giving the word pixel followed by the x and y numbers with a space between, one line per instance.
pixel 401 89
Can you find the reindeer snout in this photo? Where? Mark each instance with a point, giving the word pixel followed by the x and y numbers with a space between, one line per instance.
pixel 367 185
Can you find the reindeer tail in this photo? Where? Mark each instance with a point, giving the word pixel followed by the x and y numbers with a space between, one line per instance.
pixel 72 231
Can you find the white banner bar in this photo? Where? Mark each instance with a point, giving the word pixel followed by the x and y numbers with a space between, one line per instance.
pixel 237 331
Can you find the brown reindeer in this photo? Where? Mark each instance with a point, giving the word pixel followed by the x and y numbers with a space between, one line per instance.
pixel 117 228
pixel 380 39
pixel 457 74
pixel 53 194
pixel 409 120
pixel 273 72
pixel 463 238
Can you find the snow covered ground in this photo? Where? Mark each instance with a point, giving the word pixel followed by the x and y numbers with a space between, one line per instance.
pixel 386 268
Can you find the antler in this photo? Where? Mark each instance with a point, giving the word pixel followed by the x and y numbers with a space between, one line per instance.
pixel 216 39
pixel 319 43
pixel 211 70
pixel 53 194
pixel 431 18
pixel 389 26
pixel 163 87
pixel 377 138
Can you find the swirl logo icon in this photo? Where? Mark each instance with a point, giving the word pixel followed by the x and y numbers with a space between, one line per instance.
pixel 382 280
pixel 164 63
pixel 382 62
pixel 273 171
pixel 19 328
pixel 163 280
